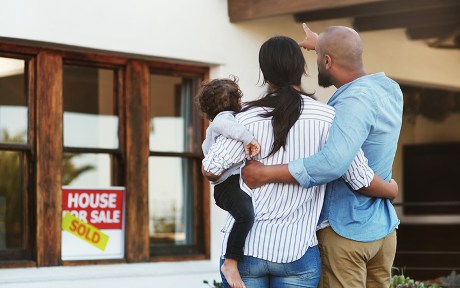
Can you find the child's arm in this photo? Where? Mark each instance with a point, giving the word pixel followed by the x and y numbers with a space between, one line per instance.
pixel 226 125
pixel 223 154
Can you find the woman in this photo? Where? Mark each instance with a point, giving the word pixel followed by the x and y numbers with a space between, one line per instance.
pixel 281 248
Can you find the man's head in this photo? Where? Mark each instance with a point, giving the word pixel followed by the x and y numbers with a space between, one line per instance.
pixel 339 53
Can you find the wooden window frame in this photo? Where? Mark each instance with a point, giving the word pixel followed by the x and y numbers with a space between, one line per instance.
pixel 28 157
pixel 201 224
pixel 45 72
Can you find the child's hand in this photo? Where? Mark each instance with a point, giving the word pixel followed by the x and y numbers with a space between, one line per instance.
pixel 253 148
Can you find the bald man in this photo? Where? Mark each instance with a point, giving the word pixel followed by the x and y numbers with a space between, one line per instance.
pixel 357 236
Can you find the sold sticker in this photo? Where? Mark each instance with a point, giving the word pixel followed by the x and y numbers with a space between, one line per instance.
pixel 85 231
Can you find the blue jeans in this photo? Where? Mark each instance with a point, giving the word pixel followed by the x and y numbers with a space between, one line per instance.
pixel 259 273
pixel 231 198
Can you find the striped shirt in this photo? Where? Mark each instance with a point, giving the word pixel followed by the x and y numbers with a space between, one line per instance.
pixel 286 215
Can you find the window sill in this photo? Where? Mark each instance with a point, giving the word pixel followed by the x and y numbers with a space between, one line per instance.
pixel 110 272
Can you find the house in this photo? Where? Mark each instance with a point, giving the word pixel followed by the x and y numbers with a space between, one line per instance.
pixel 100 94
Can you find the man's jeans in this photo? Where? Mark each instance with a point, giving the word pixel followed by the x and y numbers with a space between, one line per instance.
pixel 259 273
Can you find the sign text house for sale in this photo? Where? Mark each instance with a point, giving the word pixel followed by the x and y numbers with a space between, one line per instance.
pixel 92 223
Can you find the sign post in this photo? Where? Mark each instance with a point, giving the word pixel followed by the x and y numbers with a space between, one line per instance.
pixel 92 223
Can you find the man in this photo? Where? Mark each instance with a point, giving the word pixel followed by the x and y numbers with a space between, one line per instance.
pixel 357 239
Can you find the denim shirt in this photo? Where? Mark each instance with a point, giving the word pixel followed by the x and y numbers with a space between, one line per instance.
pixel 368 116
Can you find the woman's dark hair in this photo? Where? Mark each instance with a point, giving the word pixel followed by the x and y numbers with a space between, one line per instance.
pixel 219 95
pixel 283 65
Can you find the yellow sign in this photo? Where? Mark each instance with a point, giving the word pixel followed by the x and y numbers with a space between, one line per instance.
pixel 85 231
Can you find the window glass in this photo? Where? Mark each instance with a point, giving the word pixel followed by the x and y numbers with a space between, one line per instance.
pixel 170 200
pixel 86 170
pixel 11 201
pixel 172 119
pixel 13 101
pixel 90 111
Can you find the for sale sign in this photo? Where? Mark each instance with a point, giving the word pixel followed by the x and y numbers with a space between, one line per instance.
pixel 92 223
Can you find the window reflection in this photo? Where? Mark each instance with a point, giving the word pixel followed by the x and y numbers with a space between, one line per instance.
pixel 13 101
pixel 11 200
pixel 86 170
pixel 170 200
pixel 90 110
pixel 172 116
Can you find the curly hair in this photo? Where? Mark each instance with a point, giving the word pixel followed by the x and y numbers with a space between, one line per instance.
pixel 219 95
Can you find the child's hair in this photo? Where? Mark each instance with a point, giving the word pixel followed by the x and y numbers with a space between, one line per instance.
pixel 219 95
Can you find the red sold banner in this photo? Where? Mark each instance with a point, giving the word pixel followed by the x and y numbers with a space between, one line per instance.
pixel 102 208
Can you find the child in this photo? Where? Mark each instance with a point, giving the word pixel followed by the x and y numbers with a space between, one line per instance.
pixel 219 100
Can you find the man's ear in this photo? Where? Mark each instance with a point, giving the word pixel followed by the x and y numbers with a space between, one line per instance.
pixel 327 61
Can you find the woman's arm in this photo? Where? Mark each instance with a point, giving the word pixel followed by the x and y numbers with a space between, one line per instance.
pixel 380 188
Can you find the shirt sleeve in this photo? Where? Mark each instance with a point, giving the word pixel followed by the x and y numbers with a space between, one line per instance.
pixel 207 141
pixel 228 126
pixel 355 115
pixel 359 174
pixel 222 155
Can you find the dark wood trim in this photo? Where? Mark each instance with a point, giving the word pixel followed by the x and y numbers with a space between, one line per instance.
pixel 175 69
pixel 17 264
pixel 179 258
pixel 93 262
pixel 91 150
pixel 240 10
pixel 176 154
pixel 409 19
pixel 119 163
pixel 49 158
pixel 30 181
pixel 431 31
pixel 15 147
pixel 21 52
pixel 137 153
pixel 387 7
pixel 206 197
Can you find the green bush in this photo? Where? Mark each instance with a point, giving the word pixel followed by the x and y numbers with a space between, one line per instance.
pixel 402 281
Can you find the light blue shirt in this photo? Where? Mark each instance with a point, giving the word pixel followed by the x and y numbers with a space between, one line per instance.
pixel 368 116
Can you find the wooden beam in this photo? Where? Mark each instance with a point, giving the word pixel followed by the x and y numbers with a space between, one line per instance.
pixel 137 155
pixel 375 8
pixel 416 18
pixel 49 158
pixel 432 31
pixel 240 10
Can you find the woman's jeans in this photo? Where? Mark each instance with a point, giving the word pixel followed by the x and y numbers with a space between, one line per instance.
pixel 259 273
pixel 231 198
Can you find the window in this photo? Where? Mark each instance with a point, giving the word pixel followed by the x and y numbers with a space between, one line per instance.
pixel 15 159
pixel 71 118
pixel 91 127
pixel 175 180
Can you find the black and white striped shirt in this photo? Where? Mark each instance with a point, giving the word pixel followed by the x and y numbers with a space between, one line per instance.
pixel 286 215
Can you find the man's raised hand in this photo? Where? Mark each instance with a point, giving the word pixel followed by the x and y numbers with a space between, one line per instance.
pixel 310 40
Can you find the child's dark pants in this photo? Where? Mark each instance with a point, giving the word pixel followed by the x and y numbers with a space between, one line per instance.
pixel 230 197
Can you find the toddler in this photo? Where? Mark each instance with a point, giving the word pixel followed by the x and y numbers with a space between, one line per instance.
pixel 219 100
